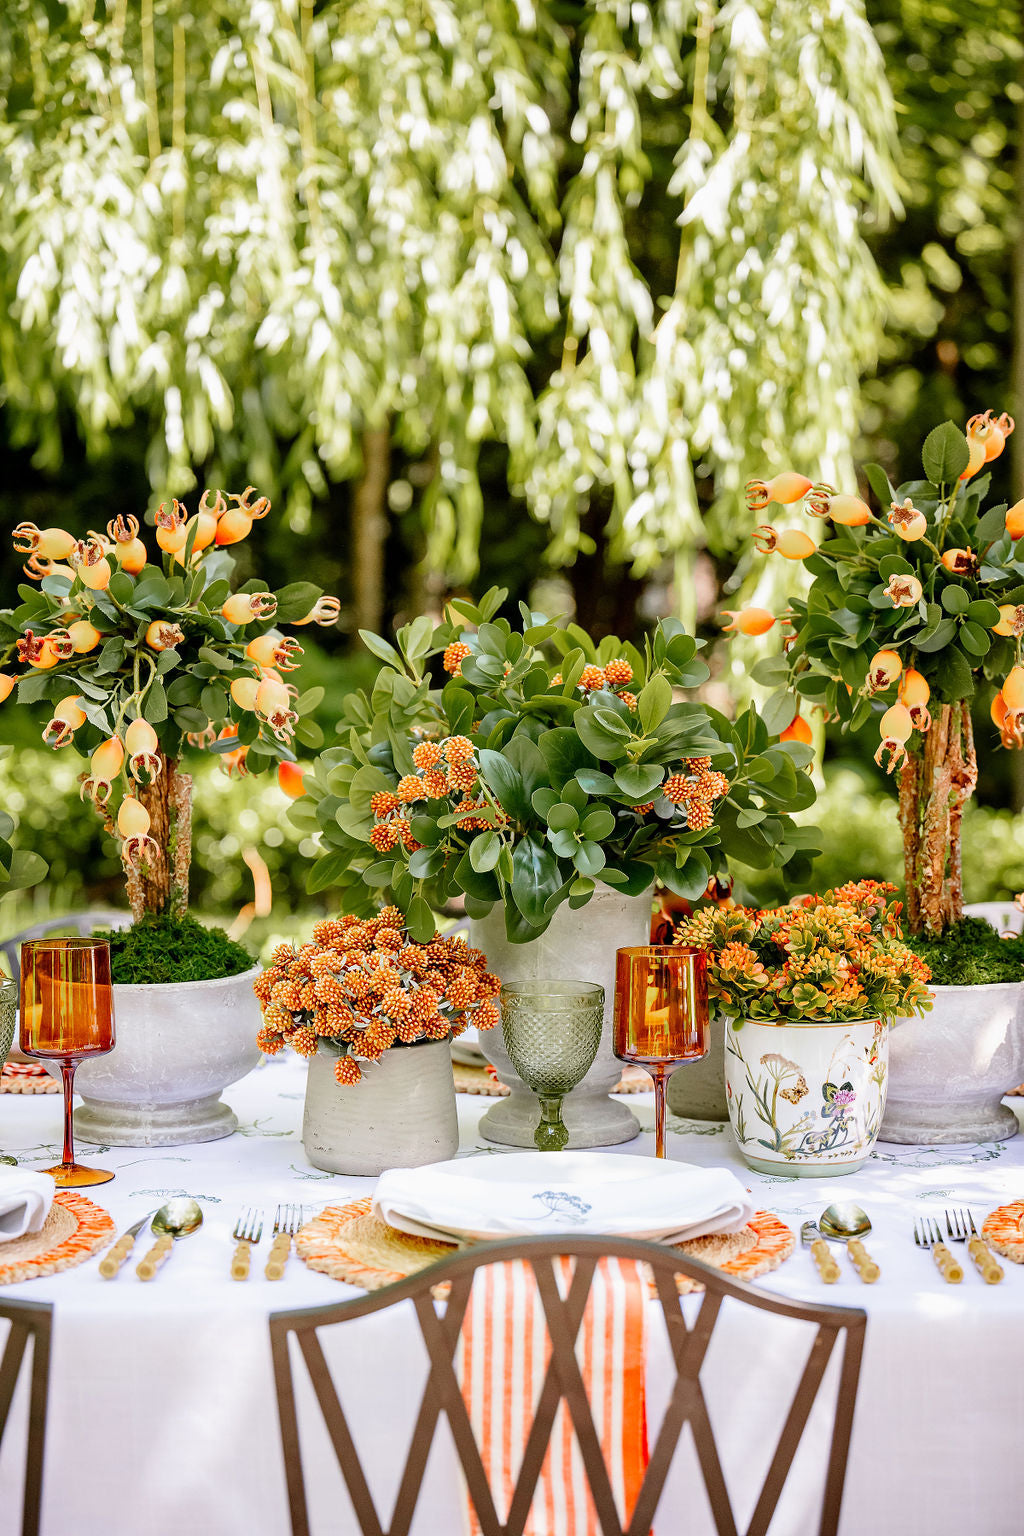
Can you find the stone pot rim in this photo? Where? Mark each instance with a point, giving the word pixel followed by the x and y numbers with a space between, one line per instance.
pixel 947 989
pixel 149 987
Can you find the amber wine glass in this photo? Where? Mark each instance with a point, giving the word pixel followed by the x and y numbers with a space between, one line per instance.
pixel 661 1015
pixel 67 1015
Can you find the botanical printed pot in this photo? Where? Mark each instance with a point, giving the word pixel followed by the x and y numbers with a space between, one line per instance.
pixel 578 946
pixel 178 1045
pixel 400 1114
pixel 806 1098
pixel 949 1070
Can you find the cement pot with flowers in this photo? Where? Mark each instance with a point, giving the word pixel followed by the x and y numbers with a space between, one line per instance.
pixel 141 654
pixel 374 1012
pixel 914 608
pixel 808 992
pixel 546 786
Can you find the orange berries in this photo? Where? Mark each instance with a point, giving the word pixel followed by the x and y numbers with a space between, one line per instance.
pixel 960 562
pixel 791 543
pixel 143 749
pixel 90 563
pixel 895 728
pixel 291 778
pixel 914 692
pixel 748 621
pixel 676 788
pixel 273 706
pixel 244 691
pixel 244 607
pixel 997 711
pixel 905 591
pixel 384 803
pixel 236 523
pixel 129 550
pixel 454 655
pixel 427 755
pixel 171 532
pixel 132 818
pixel 1015 520
pixel 618 672
pixel 67 717
pixel 850 511
pixel 989 435
pixel 1013 690
pixel 85 637
pixel 410 788
pixel 798 730
pixel 591 679
pixel 785 488
pixel 274 651
pixel 1011 620
pixel 907 522
pixel 161 636
pixel 883 670
pixel 7 682
pixel 325 611
pixel 51 543
pixel 458 749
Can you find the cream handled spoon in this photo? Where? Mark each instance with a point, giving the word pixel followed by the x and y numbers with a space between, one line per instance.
pixel 115 1256
pixel 811 1238
pixel 848 1223
pixel 178 1218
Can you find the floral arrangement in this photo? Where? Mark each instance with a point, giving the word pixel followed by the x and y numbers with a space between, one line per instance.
pixel 543 764
pixel 911 609
pixel 835 956
pixel 141 654
pixel 363 986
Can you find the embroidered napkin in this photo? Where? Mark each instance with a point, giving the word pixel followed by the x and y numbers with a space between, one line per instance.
pixel 503 1357
pixel 584 1192
pixel 25 1200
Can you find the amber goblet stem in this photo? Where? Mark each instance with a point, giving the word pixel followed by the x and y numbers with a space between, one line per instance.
pixel 660 1084
pixel 67 1073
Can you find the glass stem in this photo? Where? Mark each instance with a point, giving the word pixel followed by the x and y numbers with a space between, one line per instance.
pixel 660 1084
pixel 67 1072
pixel 551 1134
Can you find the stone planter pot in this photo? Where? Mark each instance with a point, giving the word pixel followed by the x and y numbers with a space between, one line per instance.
pixel 178 1045
pixel 697 1090
pixel 949 1070
pixel 806 1099
pixel 578 946
pixel 401 1114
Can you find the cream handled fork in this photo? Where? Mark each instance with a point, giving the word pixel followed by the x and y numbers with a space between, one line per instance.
pixel 247 1233
pixel 928 1235
pixel 984 1259
pixel 287 1221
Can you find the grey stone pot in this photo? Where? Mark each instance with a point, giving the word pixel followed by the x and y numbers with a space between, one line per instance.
pixel 401 1114
pixel 578 946
pixel 177 1046
pixel 696 1090
pixel 948 1071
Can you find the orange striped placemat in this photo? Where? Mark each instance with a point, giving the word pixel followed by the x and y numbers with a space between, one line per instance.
pixel 71 1233
pixel 27 1077
pixel 1001 1229
pixel 481 1079
pixel 503 1357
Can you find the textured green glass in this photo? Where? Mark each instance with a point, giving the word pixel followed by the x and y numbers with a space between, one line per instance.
pixel 8 1015
pixel 552 1030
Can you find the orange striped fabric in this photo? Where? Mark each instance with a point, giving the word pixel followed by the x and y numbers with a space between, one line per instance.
pixel 503 1356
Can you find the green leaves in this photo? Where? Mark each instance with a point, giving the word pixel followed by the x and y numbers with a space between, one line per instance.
pixel 945 454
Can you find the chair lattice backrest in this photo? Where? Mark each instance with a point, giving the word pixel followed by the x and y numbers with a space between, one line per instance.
pixel 441 1327
pixel 83 923
pixel 28 1320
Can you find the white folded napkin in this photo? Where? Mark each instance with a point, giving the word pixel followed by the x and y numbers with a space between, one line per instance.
pixel 25 1200
pixel 582 1192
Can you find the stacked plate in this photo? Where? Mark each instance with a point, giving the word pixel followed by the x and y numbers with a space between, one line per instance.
pixel 482 1199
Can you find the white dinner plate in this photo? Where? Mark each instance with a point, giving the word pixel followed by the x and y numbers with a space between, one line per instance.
pixel 484 1198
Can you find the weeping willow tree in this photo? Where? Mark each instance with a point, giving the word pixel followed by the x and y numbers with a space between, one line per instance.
pixel 292 238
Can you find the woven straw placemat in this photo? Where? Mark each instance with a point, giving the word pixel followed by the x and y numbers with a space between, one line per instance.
pixel 27 1077
pixel 1002 1231
pixel 71 1233
pixel 473 1079
pixel 350 1244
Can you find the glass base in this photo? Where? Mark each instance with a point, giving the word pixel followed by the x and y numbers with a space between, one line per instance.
pixel 75 1176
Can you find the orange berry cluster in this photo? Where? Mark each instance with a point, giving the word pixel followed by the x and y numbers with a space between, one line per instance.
pixel 454 655
pixel 365 986
pixel 614 676
pixel 696 791
pixel 444 768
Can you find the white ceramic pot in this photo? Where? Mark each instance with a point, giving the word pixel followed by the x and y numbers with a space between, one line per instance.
pixel 1004 916
pixel 401 1114
pixel 805 1099
pixel 578 946
pixel 178 1045
pixel 948 1071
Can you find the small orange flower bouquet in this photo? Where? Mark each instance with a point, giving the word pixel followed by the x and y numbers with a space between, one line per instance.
pixel 362 986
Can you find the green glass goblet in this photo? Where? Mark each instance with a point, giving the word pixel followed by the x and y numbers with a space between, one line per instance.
pixel 8 1020
pixel 552 1030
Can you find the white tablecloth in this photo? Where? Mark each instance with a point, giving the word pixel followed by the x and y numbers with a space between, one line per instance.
pixel 162 1411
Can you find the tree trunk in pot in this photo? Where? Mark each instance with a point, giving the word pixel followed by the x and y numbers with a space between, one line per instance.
pixel 578 946
pixel 158 883
pixel 935 786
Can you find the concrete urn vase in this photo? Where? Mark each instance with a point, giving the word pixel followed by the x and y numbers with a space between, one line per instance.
pixel 401 1113
pixel 178 1045
pixel 578 946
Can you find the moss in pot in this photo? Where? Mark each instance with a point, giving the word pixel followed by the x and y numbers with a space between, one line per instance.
pixel 141 655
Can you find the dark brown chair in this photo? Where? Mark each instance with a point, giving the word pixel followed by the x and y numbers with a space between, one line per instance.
pixel 28 1320
pixel 441 1324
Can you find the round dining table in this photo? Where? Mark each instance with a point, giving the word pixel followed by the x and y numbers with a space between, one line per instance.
pixel 162 1410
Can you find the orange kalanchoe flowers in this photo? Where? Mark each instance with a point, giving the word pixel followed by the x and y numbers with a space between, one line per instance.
pixel 362 986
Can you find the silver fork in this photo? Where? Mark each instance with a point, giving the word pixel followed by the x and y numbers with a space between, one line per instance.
pixel 287 1221
pixel 961 1229
pixel 247 1233
pixel 927 1234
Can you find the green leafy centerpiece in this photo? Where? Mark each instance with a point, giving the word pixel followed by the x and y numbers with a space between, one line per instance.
pixel 809 991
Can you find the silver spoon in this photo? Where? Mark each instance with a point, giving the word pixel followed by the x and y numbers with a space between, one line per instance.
pixel 848 1223
pixel 810 1237
pixel 178 1218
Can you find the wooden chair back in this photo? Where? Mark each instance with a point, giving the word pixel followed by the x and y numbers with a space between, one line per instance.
pixel 28 1320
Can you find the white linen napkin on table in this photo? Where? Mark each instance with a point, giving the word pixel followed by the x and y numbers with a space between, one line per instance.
pixel 681 1202
pixel 25 1200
